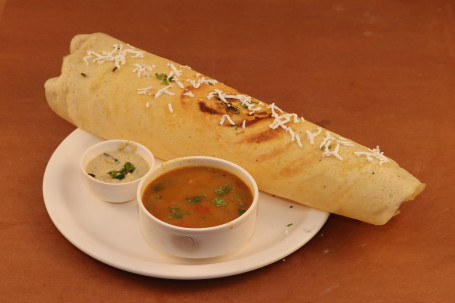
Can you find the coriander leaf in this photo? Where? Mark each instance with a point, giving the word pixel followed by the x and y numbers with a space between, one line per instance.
pixel 116 174
pixel 129 167
pixel 174 212
pixel 223 190
pixel 164 79
pixel 158 187
pixel 194 200
pixel 219 202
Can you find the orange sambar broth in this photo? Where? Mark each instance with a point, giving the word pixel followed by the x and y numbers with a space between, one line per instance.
pixel 197 197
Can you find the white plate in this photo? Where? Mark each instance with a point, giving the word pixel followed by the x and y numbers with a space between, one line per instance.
pixel 110 232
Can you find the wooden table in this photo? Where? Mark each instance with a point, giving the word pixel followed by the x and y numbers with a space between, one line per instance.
pixel 377 72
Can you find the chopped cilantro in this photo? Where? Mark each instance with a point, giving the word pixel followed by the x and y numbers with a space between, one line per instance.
pixel 164 78
pixel 241 211
pixel 194 200
pixel 219 202
pixel 128 167
pixel 323 147
pixel 174 212
pixel 224 189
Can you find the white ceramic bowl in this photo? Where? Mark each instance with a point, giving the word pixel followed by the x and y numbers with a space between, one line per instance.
pixel 113 192
pixel 197 242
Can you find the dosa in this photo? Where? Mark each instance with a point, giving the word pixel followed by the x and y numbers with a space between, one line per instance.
pixel 116 91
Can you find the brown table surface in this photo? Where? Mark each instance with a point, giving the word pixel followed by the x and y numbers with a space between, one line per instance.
pixel 377 72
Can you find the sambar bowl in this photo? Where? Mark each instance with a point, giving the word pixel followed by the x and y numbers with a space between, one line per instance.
pixel 200 242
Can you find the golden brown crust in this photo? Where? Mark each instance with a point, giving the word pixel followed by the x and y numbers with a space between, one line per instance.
pixel 296 160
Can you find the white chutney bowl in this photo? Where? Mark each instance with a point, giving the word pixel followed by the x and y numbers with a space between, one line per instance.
pixel 114 192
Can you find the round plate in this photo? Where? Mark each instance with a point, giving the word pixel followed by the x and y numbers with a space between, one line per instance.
pixel 110 232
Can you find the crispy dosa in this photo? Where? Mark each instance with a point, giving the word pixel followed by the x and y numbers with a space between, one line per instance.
pixel 115 91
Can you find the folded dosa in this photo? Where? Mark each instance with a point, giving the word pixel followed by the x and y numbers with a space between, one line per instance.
pixel 115 91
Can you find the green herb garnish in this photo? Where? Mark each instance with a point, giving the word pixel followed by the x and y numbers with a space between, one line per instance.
pixel 128 167
pixel 224 189
pixel 290 224
pixel 241 211
pixel 158 187
pixel 164 78
pixel 219 202
pixel 174 212
pixel 323 147
pixel 194 200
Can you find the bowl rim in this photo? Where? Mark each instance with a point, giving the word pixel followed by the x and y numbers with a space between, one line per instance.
pixel 198 230
pixel 113 141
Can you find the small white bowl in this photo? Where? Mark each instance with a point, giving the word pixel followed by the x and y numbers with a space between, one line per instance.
pixel 197 242
pixel 113 192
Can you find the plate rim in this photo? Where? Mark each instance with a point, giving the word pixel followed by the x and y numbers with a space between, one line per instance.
pixel 175 272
